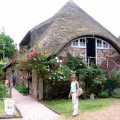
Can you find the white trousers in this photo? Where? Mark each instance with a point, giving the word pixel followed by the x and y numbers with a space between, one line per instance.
pixel 75 103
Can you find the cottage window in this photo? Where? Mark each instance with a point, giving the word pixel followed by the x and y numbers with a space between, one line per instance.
pixel 82 42
pixel 75 43
pixel 105 45
pixel 99 43
pixel 102 44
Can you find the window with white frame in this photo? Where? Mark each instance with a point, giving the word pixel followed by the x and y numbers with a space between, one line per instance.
pixel 105 44
pixel 80 42
pixel 99 43
pixel 102 44
pixel 75 43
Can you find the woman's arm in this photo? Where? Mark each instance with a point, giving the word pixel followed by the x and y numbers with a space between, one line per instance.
pixel 77 88
pixel 78 85
pixel 69 94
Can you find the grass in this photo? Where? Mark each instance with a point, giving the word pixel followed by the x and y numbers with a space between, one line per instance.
pixel 2 110
pixel 2 113
pixel 65 106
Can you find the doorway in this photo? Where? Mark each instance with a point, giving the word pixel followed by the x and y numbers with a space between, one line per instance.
pixel 91 50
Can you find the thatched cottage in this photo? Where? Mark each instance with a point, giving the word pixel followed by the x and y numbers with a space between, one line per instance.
pixel 72 30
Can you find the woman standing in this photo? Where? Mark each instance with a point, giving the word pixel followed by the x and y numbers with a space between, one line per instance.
pixel 74 94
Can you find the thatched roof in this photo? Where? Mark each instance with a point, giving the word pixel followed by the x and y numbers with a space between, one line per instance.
pixel 67 24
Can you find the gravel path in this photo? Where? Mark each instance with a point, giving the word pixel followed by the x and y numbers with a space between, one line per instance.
pixel 111 112
pixel 31 109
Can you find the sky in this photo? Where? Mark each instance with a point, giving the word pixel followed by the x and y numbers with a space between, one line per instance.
pixel 19 16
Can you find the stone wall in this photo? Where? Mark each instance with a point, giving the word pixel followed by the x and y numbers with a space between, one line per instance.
pixel 19 77
pixel 34 84
pixel 102 54
pixel 9 73
pixel 72 50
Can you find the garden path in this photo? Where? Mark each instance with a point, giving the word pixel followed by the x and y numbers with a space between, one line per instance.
pixel 31 109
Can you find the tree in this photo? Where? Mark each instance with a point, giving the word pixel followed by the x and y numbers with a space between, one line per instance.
pixel 6 44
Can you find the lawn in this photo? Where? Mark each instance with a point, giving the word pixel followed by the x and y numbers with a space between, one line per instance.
pixel 2 113
pixel 65 106
pixel 2 110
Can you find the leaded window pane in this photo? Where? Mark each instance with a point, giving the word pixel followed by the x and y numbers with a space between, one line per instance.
pixel 82 42
pixel 99 43
pixel 75 43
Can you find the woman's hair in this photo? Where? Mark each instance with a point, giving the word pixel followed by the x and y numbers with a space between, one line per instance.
pixel 74 76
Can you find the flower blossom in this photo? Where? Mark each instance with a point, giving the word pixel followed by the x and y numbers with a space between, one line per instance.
pixel 45 53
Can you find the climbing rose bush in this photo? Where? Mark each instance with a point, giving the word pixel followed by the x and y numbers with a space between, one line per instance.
pixel 34 59
pixel 46 67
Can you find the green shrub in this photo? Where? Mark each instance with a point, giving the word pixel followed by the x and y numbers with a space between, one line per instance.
pixel 56 89
pixel 3 91
pixel 22 89
pixel 57 82
pixel 103 94
pixel 110 85
pixel 113 81
pixel 116 93
pixel 91 79
pixel 116 75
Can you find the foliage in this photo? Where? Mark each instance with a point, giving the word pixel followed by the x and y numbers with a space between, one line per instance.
pixel 22 89
pixel 103 94
pixel 116 93
pixel 9 46
pixel 92 79
pixel 58 82
pixel 56 89
pixel 33 59
pixel 112 81
pixel 110 85
pixel 115 75
pixel 1 66
pixel 75 63
pixel 64 73
pixel 3 91
pixel 49 69
pixel 65 107
pixel 2 72
pixel 58 71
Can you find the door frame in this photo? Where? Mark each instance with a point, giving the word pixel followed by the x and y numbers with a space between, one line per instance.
pixel 95 49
